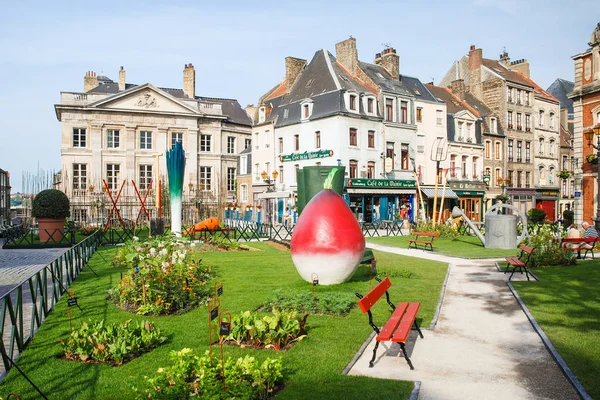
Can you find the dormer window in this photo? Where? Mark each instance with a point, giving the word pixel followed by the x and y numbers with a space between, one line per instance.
pixel 352 102
pixel 262 115
pixel 370 105
pixel 306 106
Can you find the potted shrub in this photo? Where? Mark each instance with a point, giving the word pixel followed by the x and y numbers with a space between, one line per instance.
pixel 50 207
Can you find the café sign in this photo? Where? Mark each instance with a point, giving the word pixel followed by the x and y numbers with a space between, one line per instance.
pixel 380 183
pixel 307 155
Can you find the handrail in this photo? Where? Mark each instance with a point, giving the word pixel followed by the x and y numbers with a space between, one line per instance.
pixel 26 306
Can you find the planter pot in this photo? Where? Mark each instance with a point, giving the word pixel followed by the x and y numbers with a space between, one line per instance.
pixel 51 229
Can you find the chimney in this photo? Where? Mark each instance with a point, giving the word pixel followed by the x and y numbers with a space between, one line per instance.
pixel 293 67
pixel 521 66
pixel 390 61
pixel 475 61
pixel 458 88
pixel 189 81
pixel 90 81
pixel 121 78
pixel 346 55
pixel 504 59
pixel 377 59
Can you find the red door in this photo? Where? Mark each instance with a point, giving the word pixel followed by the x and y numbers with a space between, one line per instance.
pixel 549 206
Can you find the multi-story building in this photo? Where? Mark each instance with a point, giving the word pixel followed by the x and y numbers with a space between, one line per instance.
pixel 341 111
pixel 113 134
pixel 505 88
pixel 586 110
pixel 560 89
pixel 4 197
pixel 465 165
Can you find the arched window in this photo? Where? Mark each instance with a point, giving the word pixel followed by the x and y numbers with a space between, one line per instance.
pixel 541 148
pixel 551 176
pixel 453 166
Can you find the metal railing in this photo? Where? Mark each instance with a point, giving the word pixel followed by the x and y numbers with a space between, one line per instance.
pixel 25 307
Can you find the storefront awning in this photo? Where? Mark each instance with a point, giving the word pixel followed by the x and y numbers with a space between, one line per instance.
pixel 274 195
pixel 430 193
pixel 350 190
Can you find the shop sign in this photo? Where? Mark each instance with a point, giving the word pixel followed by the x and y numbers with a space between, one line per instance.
pixel 469 192
pixel 380 183
pixel 307 155
pixel 548 193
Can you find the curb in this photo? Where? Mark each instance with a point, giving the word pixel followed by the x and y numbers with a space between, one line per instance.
pixel 436 315
pixel 548 344
pixel 414 395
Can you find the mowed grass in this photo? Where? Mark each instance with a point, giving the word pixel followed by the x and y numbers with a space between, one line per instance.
pixel 566 305
pixel 462 246
pixel 313 366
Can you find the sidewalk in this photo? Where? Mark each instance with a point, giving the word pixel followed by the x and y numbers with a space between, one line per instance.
pixel 483 345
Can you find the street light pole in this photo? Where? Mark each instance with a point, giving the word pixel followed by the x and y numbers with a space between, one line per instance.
pixel 589 136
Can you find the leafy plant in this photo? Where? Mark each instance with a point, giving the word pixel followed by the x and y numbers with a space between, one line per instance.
pixel 569 217
pixel 547 247
pixel 536 216
pixel 191 376
pixel 278 330
pixel 442 229
pixel 303 302
pixel 223 243
pixel 51 203
pixel 111 343
pixel 166 276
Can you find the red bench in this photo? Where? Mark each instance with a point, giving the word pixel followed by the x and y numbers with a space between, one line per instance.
pixel 522 262
pixel 578 244
pixel 398 326
pixel 426 240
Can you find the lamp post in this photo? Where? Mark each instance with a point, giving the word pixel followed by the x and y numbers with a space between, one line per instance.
pixel 589 136
pixel 267 179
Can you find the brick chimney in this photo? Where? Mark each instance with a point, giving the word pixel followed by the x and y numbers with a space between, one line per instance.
pixel 347 55
pixel 475 62
pixel 293 67
pixel 504 59
pixel 521 66
pixel 189 81
pixel 121 78
pixel 90 81
pixel 390 61
pixel 458 88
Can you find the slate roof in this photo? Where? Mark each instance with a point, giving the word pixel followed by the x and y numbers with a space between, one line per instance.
pixel 319 81
pixel 505 73
pixel 417 88
pixel 453 103
pixel 538 91
pixel 231 108
pixel 560 89
pixel 383 79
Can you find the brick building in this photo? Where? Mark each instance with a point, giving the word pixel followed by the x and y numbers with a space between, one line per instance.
pixel 586 110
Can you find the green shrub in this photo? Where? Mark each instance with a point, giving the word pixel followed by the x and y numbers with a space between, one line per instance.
pixel 276 331
pixel 166 276
pixel 536 216
pixel 191 376
pixel 304 302
pixel 568 217
pixel 441 229
pixel 111 343
pixel 51 203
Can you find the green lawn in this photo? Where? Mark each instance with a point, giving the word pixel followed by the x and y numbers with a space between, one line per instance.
pixel 313 367
pixel 462 246
pixel 565 304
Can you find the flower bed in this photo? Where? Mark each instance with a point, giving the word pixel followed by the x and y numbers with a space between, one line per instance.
pixel 277 331
pixel 111 343
pixel 165 276
pixel 547 247
pixel 200 377
pixel 338 304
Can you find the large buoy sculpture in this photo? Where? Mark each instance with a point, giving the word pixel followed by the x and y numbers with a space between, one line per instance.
pixel 327 239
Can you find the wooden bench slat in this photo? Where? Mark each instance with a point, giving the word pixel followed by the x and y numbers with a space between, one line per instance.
pixel 388 330
pixel 371 298
pixel 406 323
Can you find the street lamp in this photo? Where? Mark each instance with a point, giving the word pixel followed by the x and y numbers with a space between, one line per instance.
pixel 589 136
pixel 265 177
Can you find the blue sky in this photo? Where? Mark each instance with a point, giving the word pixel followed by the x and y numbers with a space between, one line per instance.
pixel 238 48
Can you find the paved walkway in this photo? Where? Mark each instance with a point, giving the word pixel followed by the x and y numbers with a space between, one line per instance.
pixel 18 265
pixel 483 346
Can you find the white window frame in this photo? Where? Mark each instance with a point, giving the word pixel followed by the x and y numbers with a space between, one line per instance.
pixel 145 140
pixel 205 178
pixel 79 176
pixel 79 137
pixel 206 143
pixel 145 175
pixel 176 137
pixel 230 144
pixel 112 139
pixel 112 175
pixel 230 179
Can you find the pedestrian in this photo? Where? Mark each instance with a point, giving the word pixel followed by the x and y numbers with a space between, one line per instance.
pixel 287 217
pixel 589 232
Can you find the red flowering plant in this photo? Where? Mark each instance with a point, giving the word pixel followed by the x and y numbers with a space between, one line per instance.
pixel 164 275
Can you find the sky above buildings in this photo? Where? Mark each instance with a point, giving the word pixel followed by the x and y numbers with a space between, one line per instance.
pixel 238 48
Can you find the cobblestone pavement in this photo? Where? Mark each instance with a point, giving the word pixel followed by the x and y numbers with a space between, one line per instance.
pixel 18 265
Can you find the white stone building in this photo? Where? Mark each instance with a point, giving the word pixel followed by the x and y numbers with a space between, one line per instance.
pixel 114 134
